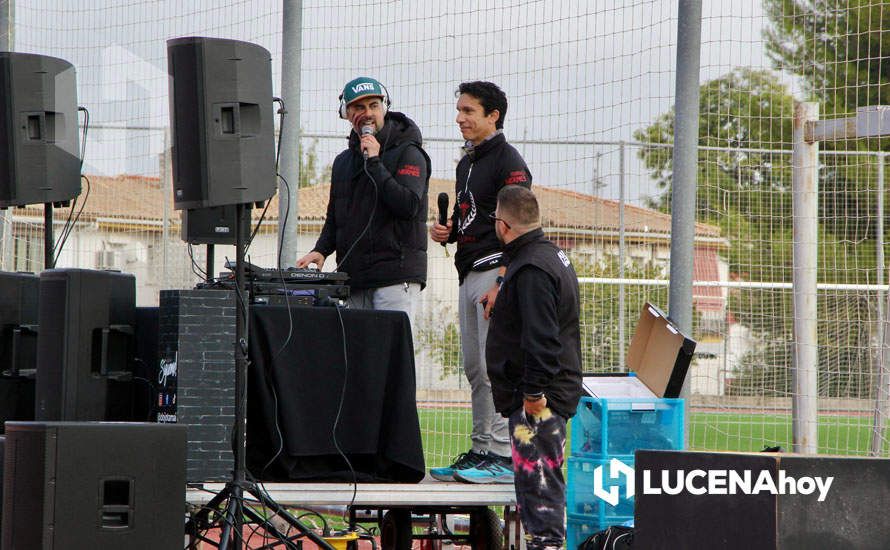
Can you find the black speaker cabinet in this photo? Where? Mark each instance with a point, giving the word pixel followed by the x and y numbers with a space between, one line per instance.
pixel 853 513
pixel 40 150
pixel 222 122
pixel 212 225
pixel 93 485
pixel 86 340
pixel 18 323
pixel 2 460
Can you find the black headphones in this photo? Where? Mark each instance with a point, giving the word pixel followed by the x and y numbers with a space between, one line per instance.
pixel 386 103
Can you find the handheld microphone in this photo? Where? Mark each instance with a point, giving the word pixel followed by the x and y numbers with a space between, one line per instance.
pixel 443 210
pixel 367 130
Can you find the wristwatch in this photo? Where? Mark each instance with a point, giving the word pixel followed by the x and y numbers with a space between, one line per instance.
pixel 499 280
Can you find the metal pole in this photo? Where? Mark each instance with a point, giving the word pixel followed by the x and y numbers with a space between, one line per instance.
pixel 7 259
pixel 621 252
pixel 289 167
pixel 166 192
pixel 685 163
pixel 209 264
pixel 805 229
pixel 7 27
pixel 48 237
pixel 882 391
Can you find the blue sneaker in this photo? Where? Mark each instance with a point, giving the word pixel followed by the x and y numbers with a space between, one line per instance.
pixel 496 469
pixel 465 460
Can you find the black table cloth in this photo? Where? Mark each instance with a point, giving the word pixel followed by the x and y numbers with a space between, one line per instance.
pixel 303 361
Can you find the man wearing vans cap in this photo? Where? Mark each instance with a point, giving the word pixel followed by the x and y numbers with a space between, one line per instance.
pixel 361 87
pixel 376 214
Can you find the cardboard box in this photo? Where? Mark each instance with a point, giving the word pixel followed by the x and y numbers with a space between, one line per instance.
pixel 657 361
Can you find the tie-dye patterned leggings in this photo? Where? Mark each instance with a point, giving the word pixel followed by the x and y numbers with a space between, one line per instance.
pixel 538 452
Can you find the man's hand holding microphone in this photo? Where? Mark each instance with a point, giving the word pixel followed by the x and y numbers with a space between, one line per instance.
pixel 369 144
pixel 441 230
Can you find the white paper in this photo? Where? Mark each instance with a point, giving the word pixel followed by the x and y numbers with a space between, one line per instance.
pixel 615 386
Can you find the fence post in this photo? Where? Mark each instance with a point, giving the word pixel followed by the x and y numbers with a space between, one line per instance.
pixel 882 384
pixel 805 230
pixel 622 251
pixel 685 163
pixel 289 167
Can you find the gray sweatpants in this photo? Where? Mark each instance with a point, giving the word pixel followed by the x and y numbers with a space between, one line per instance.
pixel 401 297
pixel 490 432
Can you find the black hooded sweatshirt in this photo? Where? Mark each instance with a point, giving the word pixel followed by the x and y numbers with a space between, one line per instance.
pixel 393 249
pixel 481 173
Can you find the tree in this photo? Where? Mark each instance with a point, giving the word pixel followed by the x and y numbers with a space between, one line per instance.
pixel 745 108
pixel 601 346
pixel 839 52
pixel 310 173
pixel 747 194
pixel 838 48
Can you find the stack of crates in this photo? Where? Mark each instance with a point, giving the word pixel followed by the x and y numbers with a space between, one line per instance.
pixel 607 428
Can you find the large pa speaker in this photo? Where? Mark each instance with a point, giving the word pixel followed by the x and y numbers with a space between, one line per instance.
pixel 40 151
pixel 727 501
pixel 18 345
pixel 2 460
pixel 85 345
pixel 72 486
pixel 18 323
pixel 214 225
pixel 222 122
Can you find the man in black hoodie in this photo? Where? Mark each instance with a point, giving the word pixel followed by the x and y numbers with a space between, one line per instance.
pixel 376 217
pixel 489 165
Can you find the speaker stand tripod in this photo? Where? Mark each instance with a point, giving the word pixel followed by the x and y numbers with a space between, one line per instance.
pixel 209 264
pixel 48 237
pixel 229 502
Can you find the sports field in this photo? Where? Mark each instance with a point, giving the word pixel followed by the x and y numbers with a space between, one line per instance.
pixel 445 433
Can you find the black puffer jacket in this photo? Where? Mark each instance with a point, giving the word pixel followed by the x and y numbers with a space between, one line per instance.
pixel 393 250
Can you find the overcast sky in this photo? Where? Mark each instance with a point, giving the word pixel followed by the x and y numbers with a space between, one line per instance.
pixel 573 70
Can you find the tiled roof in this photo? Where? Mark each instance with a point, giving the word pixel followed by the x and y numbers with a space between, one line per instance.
pixel 140 198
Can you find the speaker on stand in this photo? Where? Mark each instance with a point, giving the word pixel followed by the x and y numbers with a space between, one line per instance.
pixel 40 162
pixel 224 155
pixel 211 226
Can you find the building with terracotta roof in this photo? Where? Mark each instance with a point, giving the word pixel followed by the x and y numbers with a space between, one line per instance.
pixel 129 223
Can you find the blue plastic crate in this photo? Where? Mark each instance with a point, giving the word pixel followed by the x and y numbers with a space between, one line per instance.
pixel 579 527
pixel 580 496
pixel 618 426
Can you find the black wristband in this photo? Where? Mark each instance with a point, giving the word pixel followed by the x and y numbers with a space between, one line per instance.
pixel 533 398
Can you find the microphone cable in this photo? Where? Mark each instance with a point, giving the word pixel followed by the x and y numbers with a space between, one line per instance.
pixel 69 225
pixel 290 315
pixel 340 410
pixel 281 114
pixel 370 218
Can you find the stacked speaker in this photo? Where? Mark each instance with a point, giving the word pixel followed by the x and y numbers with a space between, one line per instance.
pixel 38 120
pixel 71 486
pixel 223 133
pixel 39 164
pixel 67 351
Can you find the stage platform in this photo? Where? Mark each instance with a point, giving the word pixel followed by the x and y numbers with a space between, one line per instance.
pixel 396 495
pixel 429 497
